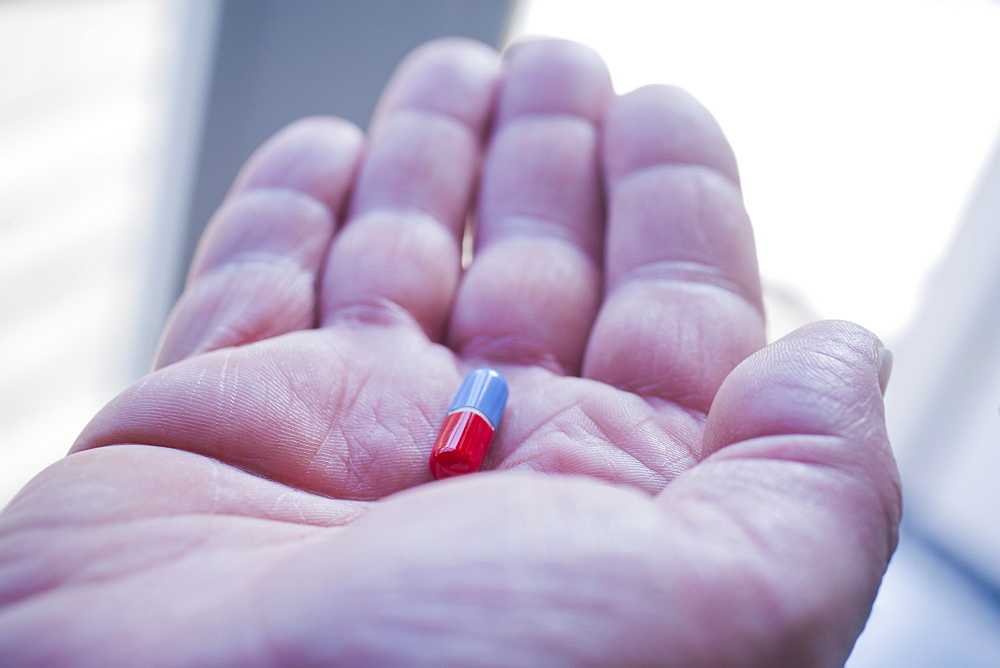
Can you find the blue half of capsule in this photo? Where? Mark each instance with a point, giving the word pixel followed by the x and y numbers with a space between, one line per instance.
pixel 485 391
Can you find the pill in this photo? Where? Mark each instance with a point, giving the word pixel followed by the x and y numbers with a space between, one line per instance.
pixel 468 428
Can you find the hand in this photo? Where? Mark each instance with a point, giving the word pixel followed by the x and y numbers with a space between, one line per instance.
pixel 663 489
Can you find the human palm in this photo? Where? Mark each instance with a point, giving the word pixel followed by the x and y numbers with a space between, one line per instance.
pixel 267 499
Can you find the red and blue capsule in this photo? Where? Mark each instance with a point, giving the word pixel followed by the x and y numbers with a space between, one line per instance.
pixel 468 429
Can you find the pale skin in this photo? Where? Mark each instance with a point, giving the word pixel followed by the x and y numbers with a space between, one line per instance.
pixel 664 488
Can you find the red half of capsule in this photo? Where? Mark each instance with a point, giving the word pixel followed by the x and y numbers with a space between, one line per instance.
pixel 461 444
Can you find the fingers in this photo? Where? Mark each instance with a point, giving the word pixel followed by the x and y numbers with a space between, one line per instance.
pixel 398 257
pixel 533 288
pixel 682 304
pixel 802 483
pixel 254 275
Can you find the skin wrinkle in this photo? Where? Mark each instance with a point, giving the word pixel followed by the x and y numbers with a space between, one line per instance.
pixel 673 164
pixel 251 328
pixel 297 292
pixel 527 226
pixel 297 206
pixel 365 312
pixel 838 372
pixel 216 491
pixel 608 443
pixel 298 399
pixel 554 423
pixel 849 476
pixel 226 398
pixel 681 271
pixel 510 350
pixel 546 247
pixel 552 236
pixel 235 509
pixel 556 114
pixel 297 502
pixel 361 209
pixel 697 250
pixel 772 447
pixel 697 417
pixel 591 429
pixel 417 161
pixel 803 450
pixel 433 116
pixel 428 421
pixel 85 575
pixel 72 580
pixel 673 470
pixel 279 500
pixel 345 404
pixel 840 361
pixel 386 418
pixel 361 462
pixel 317 290
pixel 532 221
pixel 493 339
pixel 364 449
pixel 396 258
pixel 254 258
pixel 846 420
pixel 738 223
pixel 546 420
pixel 687 332
pixel 308 157
pixel 409 217
pixel 283 385
pixel 678 285
pixel 193 550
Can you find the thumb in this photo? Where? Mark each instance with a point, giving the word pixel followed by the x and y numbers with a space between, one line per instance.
pixel 796 504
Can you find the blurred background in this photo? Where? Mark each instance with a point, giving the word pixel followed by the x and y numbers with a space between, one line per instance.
pixel 868 133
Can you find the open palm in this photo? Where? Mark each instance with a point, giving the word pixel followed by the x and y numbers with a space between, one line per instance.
pixel 267 499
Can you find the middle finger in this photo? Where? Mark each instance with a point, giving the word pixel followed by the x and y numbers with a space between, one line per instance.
pixel 534 285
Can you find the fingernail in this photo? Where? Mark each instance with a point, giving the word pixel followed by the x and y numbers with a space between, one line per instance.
pixel 884 368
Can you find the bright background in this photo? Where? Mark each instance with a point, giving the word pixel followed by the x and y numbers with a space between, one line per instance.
pixel 84 94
